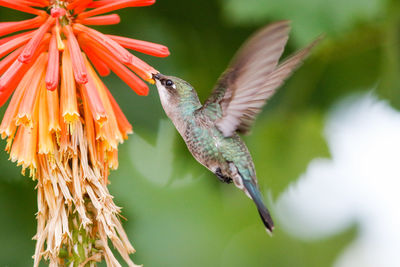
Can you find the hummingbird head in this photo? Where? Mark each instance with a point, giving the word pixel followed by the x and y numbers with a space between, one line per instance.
pixel 175 94
pixel 167 85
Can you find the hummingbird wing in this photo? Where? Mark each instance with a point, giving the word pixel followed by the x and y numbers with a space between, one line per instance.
pixel 252 78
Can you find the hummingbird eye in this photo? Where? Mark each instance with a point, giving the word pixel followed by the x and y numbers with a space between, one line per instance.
pixel 169 83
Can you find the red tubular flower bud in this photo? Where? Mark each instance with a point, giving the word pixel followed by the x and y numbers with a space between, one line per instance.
pixel 114 5
pixel 95 103
pixel 8 61
pixel 33 44
pixel 80 72
pixel 15 43
pixel 22 7
pixel 123 123
pixel 15 26
pixel 11 78
pixel 117 50
pixel 34 3
pixel 101 20
pixel 96 4
pixel 120 70
pixel 53 66
pixel 57 12
pixel 148 48
pixel 100 66
pixel 78 4
pixel 12 37
pixel 13 75
pixel 140 67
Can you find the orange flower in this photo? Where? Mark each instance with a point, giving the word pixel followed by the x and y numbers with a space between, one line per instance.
pixel 62 123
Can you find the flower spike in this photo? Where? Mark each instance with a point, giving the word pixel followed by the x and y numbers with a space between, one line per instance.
pixel 63 124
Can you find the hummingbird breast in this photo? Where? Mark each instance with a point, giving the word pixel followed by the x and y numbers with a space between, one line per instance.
pixel 203 143
pixel 209 147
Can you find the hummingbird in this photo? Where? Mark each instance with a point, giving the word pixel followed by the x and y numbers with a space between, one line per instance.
pixel 211 130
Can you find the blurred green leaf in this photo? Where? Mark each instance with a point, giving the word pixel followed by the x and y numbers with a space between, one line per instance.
pixel 310 17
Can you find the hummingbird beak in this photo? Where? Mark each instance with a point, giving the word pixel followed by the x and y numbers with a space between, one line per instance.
pixel 157 77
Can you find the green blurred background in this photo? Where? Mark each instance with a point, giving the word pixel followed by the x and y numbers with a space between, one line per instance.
pixel 178 213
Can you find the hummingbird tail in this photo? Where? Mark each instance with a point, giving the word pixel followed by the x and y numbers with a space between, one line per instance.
pixel 262 209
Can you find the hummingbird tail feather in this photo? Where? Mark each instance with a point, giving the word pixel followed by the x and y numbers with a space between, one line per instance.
pixel 262 209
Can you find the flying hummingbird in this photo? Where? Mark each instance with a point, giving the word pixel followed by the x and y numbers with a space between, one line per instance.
pixel 211 130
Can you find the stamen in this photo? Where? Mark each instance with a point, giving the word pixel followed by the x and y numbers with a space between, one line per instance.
pixel 60 43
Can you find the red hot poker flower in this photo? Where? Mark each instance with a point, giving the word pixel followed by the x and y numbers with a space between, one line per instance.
pixel 62 123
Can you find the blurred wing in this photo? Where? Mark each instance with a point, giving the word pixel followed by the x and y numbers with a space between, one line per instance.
pixel 252 78
pixel 261 53
pixel 248 93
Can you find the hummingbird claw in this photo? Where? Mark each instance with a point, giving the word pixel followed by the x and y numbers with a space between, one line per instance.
pixel 221 177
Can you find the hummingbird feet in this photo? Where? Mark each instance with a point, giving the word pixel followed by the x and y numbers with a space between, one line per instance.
pixel 221 177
